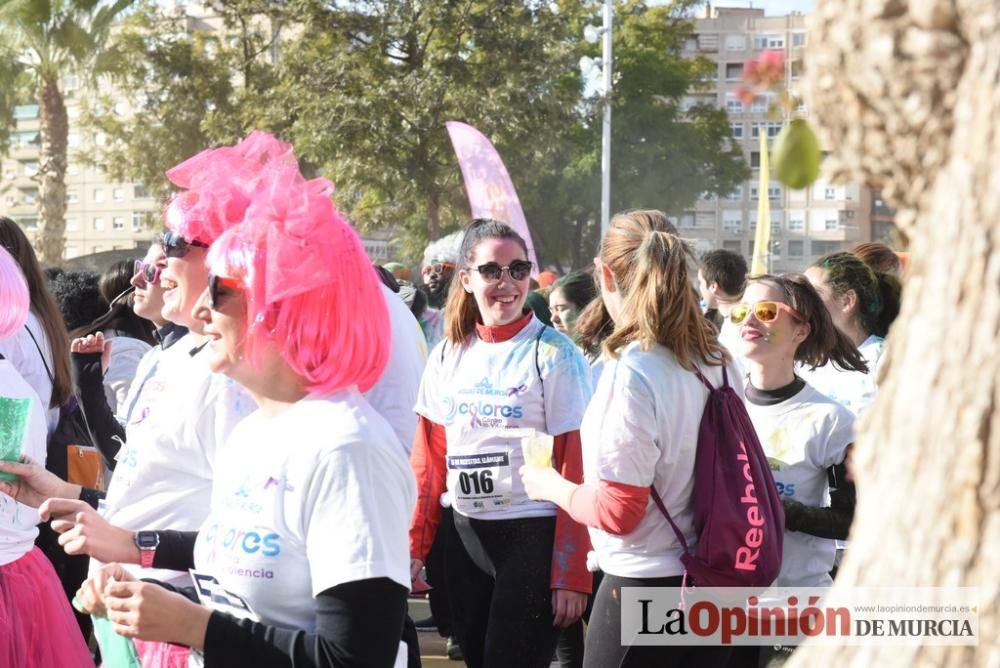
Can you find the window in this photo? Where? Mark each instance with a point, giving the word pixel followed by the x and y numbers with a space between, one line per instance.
pixel 30 167
pixel 24 138
pixel 733 104
pixel 30 196
pixel 798 39
pixel 736 42
pixel 772 129
pixel 98 194
pixel 796 220
pixel 754 193
pixel 690 44
pixel 139 192
pixel 736 130
pixel 737 193
pixel 686 220
pixel 118 223
pixel 98 225
pixel 72 225
pixel 769 41
pixel 29 223
pixel 137 221
pixel 118 194
pixel 23 112
pixel 10 200
pixel 72 197
pixel 704 219
pixel 734 246
pixel 734 71
pixel 760 103
pixel 825 247
pixel 732 221
pixel 795 248
pixel 829 193
pixel 755 159
pixel 831 223
pixel 796 69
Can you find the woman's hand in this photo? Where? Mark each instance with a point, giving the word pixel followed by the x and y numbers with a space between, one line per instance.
pixel 543 483
pixel 90 595
pixel 567 606
pixel 84 531
pixel 93 343
pixel 147 611
pixel 34 483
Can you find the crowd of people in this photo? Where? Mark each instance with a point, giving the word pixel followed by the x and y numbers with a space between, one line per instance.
pixel 292 441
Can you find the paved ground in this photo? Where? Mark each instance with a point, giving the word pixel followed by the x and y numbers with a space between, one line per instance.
pixel 432 654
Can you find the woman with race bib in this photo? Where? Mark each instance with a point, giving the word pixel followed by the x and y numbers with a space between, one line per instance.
pixel 302 560
pixel 517 571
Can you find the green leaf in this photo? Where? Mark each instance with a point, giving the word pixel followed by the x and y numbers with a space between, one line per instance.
pixel 797 155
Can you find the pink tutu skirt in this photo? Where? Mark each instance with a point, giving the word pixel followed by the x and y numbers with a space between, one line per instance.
pixel 37 627
pixel 162 654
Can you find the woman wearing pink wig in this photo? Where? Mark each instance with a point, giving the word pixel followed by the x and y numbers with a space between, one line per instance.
pixel 303 559
pixel 37 628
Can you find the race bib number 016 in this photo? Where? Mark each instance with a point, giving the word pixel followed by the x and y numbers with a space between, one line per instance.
pixel 480 482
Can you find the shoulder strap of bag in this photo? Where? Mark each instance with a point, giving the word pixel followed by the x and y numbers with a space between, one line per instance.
pixel 40 353
pixel 663 509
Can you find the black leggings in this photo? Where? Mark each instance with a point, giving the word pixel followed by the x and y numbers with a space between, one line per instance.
pixel 604 634
pixel 505 621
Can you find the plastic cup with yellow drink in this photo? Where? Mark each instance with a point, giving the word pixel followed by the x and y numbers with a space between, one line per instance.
pixel 537 449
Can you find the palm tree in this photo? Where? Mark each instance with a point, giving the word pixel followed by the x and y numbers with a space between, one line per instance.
pixel 54 38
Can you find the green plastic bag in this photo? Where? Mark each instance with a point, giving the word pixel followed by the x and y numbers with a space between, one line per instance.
pixel 13 423
pixel 116 651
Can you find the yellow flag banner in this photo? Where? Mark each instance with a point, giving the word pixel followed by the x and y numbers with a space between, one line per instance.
pixel 762 240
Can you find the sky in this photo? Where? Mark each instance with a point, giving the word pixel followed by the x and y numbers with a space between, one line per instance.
pixel 771 7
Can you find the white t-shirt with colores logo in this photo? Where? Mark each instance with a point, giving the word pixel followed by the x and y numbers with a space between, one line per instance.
pixel 317 496
pixel 21 417
pixel 176 424
pixel 641 428
pixel 485 395
pixel 802 437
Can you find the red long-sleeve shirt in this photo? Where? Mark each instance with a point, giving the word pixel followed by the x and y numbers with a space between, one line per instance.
pixel 572 542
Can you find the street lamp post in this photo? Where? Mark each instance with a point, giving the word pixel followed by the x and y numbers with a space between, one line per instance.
pixel 592 34
pixel 606 129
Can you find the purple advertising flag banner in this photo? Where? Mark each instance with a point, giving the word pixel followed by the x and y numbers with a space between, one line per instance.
pixel 491 192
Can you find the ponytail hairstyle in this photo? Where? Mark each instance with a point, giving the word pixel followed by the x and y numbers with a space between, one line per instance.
pixel 650 265
pixel 43 305
pixel 824 343
pixel 115 286
pixel 461 311
pixel 879 257
pixel 878 294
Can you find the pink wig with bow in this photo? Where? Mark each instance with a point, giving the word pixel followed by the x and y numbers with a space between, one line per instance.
pixel 14 300
pixel 310 287
pixel 219 184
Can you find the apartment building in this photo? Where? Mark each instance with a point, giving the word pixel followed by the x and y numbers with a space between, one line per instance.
pixel 805 224
pixel 101 215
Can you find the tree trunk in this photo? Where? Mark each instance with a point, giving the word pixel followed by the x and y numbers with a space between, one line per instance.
pixel 52 174
pixel 907 93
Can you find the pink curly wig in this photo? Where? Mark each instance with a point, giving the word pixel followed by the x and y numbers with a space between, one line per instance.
pixel 220 183
pixel 310 287
pixel 14 300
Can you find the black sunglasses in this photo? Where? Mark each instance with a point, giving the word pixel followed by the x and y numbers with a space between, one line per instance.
pixel 217 287
pixel 491 272
pixel 174 245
